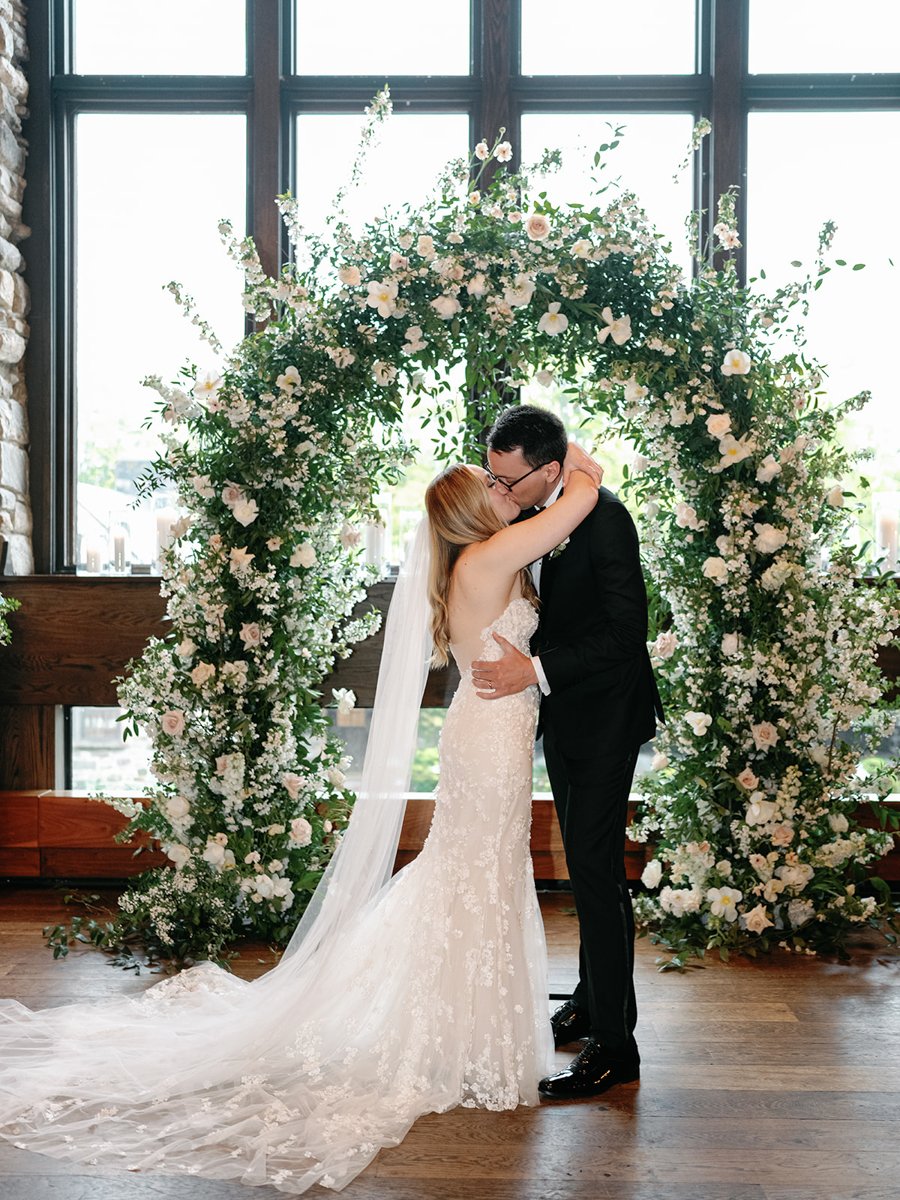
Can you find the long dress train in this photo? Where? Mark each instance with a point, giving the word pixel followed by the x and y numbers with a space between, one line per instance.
pixel 438 997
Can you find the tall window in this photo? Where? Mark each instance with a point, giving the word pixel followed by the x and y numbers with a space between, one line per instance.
pixel 150 122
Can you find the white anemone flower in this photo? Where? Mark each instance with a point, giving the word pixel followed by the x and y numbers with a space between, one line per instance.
pixel 736 362
pixel 618 328
pixel 553 321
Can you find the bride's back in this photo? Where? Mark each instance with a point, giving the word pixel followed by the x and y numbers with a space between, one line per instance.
pixel 478 595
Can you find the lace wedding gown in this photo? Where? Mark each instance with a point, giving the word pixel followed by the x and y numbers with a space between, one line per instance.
pixel 436 996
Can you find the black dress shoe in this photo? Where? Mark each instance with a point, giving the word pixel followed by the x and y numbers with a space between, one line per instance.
pixel 570 1024
pixel 591 1072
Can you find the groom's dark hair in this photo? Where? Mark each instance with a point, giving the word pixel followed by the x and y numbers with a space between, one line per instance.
pixel 540 435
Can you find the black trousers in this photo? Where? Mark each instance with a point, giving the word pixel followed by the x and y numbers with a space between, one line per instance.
pixel 591 797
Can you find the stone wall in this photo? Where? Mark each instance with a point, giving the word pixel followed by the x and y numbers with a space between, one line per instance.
pixel 15 509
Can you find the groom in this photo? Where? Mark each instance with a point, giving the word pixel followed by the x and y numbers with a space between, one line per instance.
pixel 599 704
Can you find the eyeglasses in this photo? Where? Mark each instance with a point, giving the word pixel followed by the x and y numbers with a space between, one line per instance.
pixel 494 479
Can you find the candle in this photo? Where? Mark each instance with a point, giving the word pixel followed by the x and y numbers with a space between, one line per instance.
pixel 93 558
pixel 118 554
pixel 375 544
pixel 887 537
pixel 165 518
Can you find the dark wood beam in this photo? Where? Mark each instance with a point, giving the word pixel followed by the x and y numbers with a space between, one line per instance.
pixel 264 130
pixel 728 140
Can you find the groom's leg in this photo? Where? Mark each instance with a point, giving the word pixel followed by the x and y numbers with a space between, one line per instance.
pixel 591 798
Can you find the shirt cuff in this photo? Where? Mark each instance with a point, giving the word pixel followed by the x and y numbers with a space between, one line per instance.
pixel 541 677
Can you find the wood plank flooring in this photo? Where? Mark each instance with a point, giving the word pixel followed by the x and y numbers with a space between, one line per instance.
pixel 776 1080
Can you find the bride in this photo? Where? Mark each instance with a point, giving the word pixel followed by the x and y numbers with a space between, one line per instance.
pixel 397 996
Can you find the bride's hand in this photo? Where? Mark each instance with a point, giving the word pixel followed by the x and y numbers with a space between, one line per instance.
pixel 579 460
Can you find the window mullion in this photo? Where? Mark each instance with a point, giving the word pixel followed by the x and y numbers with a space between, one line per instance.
pixel 264 139
pixel 729 21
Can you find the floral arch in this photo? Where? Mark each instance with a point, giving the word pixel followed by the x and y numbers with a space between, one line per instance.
pixel 767 655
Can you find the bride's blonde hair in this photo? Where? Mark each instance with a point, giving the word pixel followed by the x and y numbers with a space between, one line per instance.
pixel 459 513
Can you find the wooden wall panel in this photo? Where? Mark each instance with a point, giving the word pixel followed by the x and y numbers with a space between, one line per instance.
pixel 73 635
pixel 27 746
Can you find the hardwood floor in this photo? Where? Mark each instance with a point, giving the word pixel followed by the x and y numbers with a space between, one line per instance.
pixel 775 1080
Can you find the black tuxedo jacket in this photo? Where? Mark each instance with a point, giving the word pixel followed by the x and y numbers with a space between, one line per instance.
pixel 592 638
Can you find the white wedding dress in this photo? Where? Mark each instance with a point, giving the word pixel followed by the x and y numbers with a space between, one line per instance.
pixel 436 996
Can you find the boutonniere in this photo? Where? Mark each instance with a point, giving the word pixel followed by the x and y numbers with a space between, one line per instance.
pixel 559 549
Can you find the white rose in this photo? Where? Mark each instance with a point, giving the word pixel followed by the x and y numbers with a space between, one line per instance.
pixel 350 276
pixel 293 784
pixel 398 262
pixel 303 556
pixel 265 886
pixel 774 576
pixel 384 373
pixel 748 780
pixel 765 735
pixel 425 246
pixel 335 777
pixel 519 293
pixel 634 391
pixel 177 808
pixel 795 875
pixel 582 248
pixel 231 494
pixel 715 569
pixel 782 834
pixel 699 722
pixel 838 822
pixel 664 646
pixel 250 634
pixel 767 470
pixel 652 874
pixel 245 512
pixel 477 285
pixel 686 516
pixel 659 762
pixel 173 722
pixel 537 227
pixel 757 919
pixel 736 362
pixel 835 497
pixel 544 378
pixel 718 425
pixel 178 854
pixel 301 831
pixel 201 673
pixel 214 853
pixel 772 890
pixel 639 464
pixel 768 539
pixel 679 901
pixel 446 306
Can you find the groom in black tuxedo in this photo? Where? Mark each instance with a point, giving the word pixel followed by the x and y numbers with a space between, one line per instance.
pixel 599 704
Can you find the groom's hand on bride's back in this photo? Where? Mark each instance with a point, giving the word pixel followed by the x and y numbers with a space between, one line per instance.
pixel 497 677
